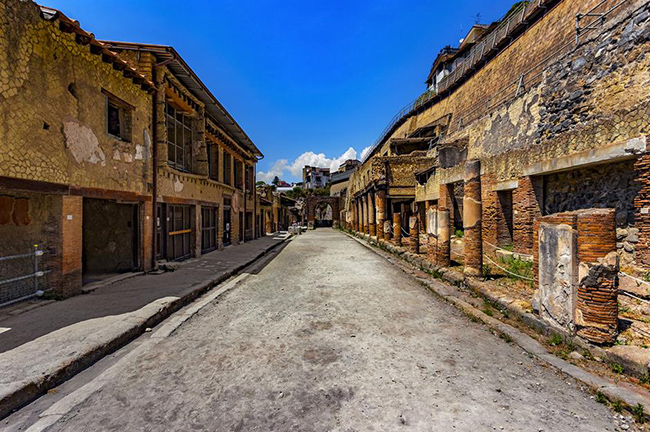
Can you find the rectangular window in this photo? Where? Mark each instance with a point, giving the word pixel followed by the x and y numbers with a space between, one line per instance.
pixel 239 175
pixel 249 178
pixel 119 117
pixel 227 173
pixel 213 161
pixel 179 139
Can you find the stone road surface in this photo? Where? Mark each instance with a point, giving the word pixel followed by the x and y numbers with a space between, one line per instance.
pixel 331 337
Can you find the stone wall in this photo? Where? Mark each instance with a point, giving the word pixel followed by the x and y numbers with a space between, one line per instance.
pixel 62 137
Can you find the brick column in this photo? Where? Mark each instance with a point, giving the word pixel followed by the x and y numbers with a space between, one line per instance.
pixel 199 146
pixel 359 227
pixel 196 231
pixel 397 228
pixel 525 207
pixel 472 219
pixel 414 232
pixel 380 208
pixel 71 245
pixel 596 313
pixel 161 119
pixel 372 215
pixel 364 208
pixel 443 243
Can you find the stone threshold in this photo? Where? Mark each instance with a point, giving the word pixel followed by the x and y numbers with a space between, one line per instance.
pixel 627 393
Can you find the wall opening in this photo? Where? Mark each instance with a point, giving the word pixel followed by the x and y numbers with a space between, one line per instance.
pixel 504 218
pixel 110 239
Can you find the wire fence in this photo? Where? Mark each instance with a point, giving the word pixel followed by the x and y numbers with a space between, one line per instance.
pixel 22 276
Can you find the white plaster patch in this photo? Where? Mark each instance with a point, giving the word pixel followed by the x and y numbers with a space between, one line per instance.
pixel 82 143
pixel 128 157
pixel 178 185
pixel 117 155
pixel 139 152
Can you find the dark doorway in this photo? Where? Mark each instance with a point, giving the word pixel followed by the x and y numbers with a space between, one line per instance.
pixel 504 218
pixel 208 229
pixel 457 194
pixel 179 232
pixel 241 227
pixel 110 238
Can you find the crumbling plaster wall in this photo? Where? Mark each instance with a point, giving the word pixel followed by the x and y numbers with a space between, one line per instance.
pixel 53 112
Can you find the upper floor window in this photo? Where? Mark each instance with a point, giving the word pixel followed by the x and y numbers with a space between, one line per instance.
pixel 227 168
pixel 119 117
pixel 249 178
pixel 239 175
pixel 213 161
pixel 179 139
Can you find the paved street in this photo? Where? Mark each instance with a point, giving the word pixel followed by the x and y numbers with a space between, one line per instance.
pixel 331 337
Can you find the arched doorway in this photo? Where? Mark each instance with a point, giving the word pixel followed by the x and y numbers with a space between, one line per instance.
pixel 323 215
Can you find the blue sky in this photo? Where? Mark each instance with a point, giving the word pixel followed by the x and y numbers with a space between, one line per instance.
pixel 309 81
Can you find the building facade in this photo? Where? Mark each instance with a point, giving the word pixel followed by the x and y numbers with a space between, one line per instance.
pixel 315 177
pixel 113 156
pixel 205 162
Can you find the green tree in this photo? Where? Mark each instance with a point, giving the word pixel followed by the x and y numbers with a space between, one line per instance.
pixel 276 180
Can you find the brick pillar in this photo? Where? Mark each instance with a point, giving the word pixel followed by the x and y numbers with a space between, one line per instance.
pixel 364 208
pixel 359 222
pixel 71 245
pixel 472 219
pixel 199 146
pixel 596 314
pixel 525 207
pixel 443 243
pixel 642 210
pixel 371 214
pixel 380 209
pixel 388 226
pixel 161 119
pixel 444 201
pixel 397 228
pixel 414 232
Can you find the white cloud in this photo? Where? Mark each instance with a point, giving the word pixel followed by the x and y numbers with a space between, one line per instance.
pixel 364 152
pixel 308 158
pixel 276 170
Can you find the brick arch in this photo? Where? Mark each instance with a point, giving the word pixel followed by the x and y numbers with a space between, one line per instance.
pixel 312 202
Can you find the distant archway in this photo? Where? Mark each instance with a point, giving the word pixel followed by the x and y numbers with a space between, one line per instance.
pixel 323 211
pixel 323 215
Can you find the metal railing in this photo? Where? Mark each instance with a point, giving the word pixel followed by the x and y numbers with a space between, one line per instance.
pixel 499 39
pixel 21 286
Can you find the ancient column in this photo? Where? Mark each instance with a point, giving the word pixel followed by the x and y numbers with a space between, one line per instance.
pixel 414 232
pixel 443 245
pixel 472 219
pixel 397 228
pixel 380 206
pixel 357 222
pixel 371 214
pixel 388 228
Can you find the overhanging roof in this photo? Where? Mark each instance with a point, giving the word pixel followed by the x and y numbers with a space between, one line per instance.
pixel 193 83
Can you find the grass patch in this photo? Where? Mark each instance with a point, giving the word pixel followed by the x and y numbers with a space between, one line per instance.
pixel 617 406
pixel 459 233
pixel 617 368
pixel 555 339
pixel 601 398
pixel 517 266
pixel 638 411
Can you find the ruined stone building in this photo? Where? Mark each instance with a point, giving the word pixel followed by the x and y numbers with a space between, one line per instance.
pixel 541 113
pixel 114 155
pixel 277 211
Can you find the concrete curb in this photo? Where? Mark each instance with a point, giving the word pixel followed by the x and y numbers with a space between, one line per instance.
pixel 14 397
pixel 628 394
